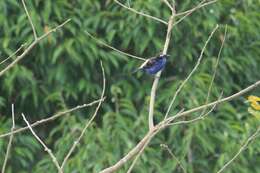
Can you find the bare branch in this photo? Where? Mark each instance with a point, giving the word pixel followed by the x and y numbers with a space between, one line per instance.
pixel 231 97
pixel 200 5
pixel 191 73
pixel 168 4
pixel 10 142
pixel 53 117
pixel 140 13
pixel 13 54
pixel 215 69
pixel 130 154
pixel 31 46
pixel 138 155
pixel 201 117
pixel 89 122
pixel 163 124
pixel 242 148
pixel 117 50
pixel 157 76
pixel 54 159
pixel 166 147
pixel 191 11
pixel 30 20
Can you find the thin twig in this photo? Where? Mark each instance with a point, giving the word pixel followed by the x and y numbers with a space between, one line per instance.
pixel 54 159
pixel 10 142
pixel 76 142
pixel 30 20
pixel 166 147
pixel 201 117
pixel 157 76
pixel 242 148
pixel 30 47
pixel 189 13
pixel 231 97
pixel 51 118
pixel 215 69
pixel 191 73
pixel 168 4
pixel 117 50
pixel 200 5
pixel 13 54
pixel 141 13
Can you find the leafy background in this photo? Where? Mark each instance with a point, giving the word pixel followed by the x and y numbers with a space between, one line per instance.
pixel 63 71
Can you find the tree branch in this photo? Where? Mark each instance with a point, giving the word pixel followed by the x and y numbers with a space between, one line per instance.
pixel 191 73
pixel 140 13
pixel 242 148
pixel 157 76
pixel 89 122
pixel 115 49
pixel 30 20
pixel 51 118
pixel 31 46
pixel 10 141
pixel 163 124
pixel 54 159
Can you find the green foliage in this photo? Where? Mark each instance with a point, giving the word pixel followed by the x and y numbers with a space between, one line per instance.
pixel 63 71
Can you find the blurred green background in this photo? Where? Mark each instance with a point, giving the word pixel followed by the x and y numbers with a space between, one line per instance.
pixel 63 71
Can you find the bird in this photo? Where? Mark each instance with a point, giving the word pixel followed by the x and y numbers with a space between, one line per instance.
pixel 153 65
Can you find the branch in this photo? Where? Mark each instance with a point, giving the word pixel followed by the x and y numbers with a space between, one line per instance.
pixel 215 69
pixel 54 159
pixel 13 54
pixel 117 50
pixel 192 10
pixel 201 117
pixel 191 73
pixel 200 5
pixel 140 13
pixel 157 76
pixel 163 124
pixel 173 156
pixel 89 122
pixel 217 102
pixel 31 46
pixel 10 142
pixel 53 117
pixel 168 4
pixel 242 148
pixel 30 20
pixel 139 154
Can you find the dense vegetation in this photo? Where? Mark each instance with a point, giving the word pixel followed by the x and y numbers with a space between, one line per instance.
pixel 63 71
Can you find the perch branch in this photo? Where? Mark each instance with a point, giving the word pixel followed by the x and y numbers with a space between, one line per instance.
pixel 157 76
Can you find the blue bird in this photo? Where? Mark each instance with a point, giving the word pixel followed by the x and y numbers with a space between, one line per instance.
pixel 154 64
